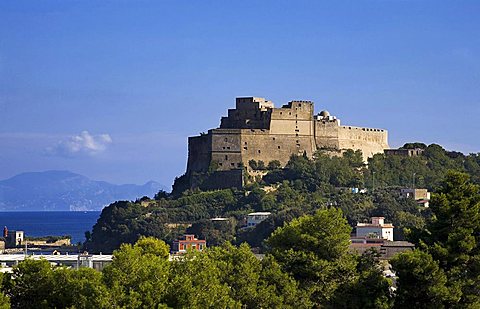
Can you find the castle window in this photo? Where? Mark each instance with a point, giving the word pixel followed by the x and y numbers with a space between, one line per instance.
pixel 232 164
pixel 226 139
pixel 228 147
pixel 289 113
pixel 296 134
pixel 278 147
pixel 299 105
pixel 281 113
pixel 226 157
pixel 245 148
pixel 220 163
pixel 259 151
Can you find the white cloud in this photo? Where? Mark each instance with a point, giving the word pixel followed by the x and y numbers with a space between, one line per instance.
pixel 82 144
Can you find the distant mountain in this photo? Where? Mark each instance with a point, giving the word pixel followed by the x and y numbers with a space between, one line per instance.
pixel 64 190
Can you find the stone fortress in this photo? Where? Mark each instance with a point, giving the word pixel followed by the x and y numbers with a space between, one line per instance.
pixel 257 130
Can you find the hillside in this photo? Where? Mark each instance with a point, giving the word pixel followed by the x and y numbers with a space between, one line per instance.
pixel 65 191
pixel 302 187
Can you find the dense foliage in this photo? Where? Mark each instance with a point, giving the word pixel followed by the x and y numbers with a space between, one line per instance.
pixel 227 276
pixel 307 265
pixel 446 264
pixel 302 187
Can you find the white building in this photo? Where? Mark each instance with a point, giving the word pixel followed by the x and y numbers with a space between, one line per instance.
pixel 376 229
pixel 421 196
pixel 255 218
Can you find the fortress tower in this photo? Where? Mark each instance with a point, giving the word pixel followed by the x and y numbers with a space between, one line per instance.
pixel 257 130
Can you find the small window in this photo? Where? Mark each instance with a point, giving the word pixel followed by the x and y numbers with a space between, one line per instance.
pixel 226 157
pixel 232 164
pixel 220 163
pixel 278 147
pixel 259 151
pixel 226 139
pixel 274 138
pixel 245 148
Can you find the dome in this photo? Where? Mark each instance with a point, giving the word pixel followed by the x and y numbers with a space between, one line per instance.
pixel 324 114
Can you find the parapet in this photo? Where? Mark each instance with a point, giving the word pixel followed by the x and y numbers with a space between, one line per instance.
pixel 243 103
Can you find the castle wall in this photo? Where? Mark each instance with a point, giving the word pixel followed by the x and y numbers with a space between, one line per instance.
pixel 263 146
pixel 370 141
pixel 294 118
pixel 226 148
pixel 199 153
pixel 326 134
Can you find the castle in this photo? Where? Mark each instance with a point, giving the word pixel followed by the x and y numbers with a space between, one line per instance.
pixel 256 130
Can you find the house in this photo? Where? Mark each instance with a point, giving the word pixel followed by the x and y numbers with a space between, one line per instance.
pixel 188 241
pixel 376 229
pixel 404 152
pixel 13 238
pixel 255 218
pixel 421 196
pixel 386 248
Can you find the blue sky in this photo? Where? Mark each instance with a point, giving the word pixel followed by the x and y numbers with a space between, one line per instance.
pixel 112 89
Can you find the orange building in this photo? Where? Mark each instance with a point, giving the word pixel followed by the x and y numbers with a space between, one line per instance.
pixel 188 242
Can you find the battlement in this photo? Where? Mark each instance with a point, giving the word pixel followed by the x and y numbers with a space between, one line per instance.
pixel 249 103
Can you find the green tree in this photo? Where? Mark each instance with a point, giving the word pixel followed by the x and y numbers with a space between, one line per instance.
pixel 255 283
pixel 35 284
pixel 274 165
pixel 453 235
pixel 314 249
pixel 138 275
pixel 4 300
pixel 31 284
pixel 370 289
pixel 421 282
pixel 195 283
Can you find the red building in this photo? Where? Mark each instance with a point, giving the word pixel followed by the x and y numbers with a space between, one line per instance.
pixel 188 242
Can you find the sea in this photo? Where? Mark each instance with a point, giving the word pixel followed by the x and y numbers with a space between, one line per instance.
pixel 51 223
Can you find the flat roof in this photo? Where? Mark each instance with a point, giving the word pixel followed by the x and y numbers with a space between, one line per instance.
pixel 260 214
pixel 55 258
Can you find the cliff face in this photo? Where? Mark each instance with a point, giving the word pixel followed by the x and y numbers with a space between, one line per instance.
pixel 255 130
